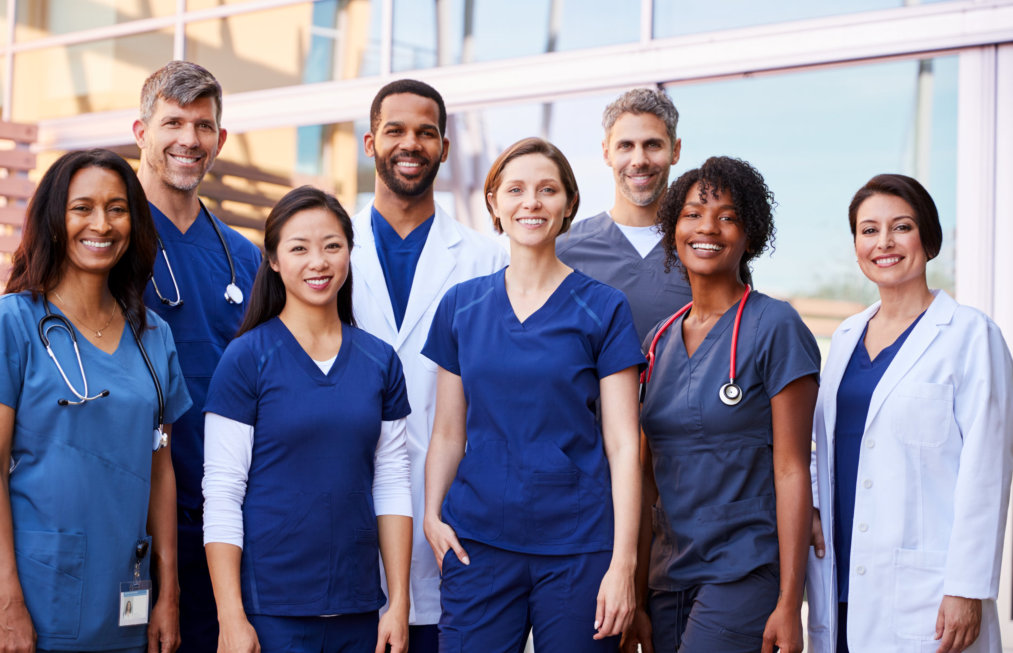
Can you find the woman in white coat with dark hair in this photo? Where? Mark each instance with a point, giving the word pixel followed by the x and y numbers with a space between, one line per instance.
pixel 913 451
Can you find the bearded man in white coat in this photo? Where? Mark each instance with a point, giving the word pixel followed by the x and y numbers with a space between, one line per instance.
pixel 408 252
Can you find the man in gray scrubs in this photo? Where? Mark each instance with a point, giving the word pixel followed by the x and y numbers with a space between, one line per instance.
pixel 621 247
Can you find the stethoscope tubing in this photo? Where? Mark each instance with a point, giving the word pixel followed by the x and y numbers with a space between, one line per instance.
pixel 45 326
pixel 233 294
pixel 729 393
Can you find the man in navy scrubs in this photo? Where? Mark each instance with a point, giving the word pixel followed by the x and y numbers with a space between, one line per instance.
pixel 621 247
pixel 408 252
pixel 179 133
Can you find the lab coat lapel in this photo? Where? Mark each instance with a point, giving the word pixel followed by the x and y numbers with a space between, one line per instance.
pixel 833 371
pixel 436 263
pixel 371 277
pixel 940 311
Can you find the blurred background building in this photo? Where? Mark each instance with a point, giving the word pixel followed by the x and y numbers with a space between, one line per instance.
pixel 819 95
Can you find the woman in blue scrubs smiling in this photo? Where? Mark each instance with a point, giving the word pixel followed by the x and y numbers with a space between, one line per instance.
pixel 85 503
pixel 531 507
pixel 727 473
pixel 306 462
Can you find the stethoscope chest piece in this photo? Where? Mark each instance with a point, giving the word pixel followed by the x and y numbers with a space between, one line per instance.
pixel 730 394
pixel 233 294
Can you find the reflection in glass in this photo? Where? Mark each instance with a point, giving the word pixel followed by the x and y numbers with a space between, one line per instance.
pixel 468 31
pixel 96 76
pixel 39 18
pixel 295 44
pixel 679 17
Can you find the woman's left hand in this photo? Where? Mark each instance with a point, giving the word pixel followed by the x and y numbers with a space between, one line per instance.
pixel 958 623
pixel 784 630
pixel 163 626
pixel 616 602
pixel 393 630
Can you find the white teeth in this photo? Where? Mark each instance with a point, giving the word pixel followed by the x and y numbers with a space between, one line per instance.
pixel 317 283
pixel 888 261
pixel 708 246
pixel 409 164
pixel 185 159
pixel 96 243
pixel 531 221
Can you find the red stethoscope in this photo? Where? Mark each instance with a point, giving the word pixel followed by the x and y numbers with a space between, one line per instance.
pixel 730 393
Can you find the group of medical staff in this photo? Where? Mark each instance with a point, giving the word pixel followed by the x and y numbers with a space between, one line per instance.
pixel 673 488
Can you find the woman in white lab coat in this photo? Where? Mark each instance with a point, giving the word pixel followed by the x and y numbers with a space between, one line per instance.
pixel 913 451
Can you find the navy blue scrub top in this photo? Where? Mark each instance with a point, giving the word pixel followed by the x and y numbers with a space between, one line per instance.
pixel 309 526
pixel 854 395
pixel 202 326
pixel 398 259
pixel 598 248
pixel 715 520
pixel 534 478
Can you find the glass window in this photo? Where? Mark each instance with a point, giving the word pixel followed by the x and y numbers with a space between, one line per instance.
pixel 816 136
pixel 679 17
pixel 40 18
pixel 295 44
pixel 485 30
pixel 98 76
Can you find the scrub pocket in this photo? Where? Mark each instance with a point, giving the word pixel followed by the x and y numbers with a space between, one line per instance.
pixel 51 571
pixel 918 590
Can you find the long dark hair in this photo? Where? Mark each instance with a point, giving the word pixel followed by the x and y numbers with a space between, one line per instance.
pixel 38 263
pixel 268 296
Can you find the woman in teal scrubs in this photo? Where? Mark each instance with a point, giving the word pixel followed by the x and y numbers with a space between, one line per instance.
pixel 88 497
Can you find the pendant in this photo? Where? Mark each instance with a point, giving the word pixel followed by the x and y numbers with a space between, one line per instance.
pixel 98 334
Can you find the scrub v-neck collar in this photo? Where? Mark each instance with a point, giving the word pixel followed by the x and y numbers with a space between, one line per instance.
pixel 305 361
pixel 555 299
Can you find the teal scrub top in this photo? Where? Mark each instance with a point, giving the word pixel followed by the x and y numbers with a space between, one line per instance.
pixel 81 475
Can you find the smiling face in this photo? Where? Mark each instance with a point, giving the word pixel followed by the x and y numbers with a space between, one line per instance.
pixel 887 242
pixel 97 221
pixel 407 146
pixel 179 144
pixel 312 258
pixel 709 236
pixel 531 201
pixel 639 151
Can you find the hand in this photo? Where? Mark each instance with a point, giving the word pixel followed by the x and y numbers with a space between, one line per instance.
pixel 958 623
pixel 393 630
pixel 615 603
pixel 442 538
pixel 236 635
pixel 163 626
pixel 639 632
pixel 784 629
pixel 816 537
pixel 17 634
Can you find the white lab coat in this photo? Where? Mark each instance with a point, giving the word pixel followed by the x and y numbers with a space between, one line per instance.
pixel 453 253
pixel 933 484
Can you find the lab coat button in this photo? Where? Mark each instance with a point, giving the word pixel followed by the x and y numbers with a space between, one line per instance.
pixel 863 527
pixel 860 570
pixel 867 483
pixel 871 444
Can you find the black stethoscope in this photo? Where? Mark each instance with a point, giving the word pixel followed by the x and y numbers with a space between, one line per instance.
pixel 51 321
pixel 730 393
pixel 233 294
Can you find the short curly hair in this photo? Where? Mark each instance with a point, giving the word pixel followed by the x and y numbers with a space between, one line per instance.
pixel 754 206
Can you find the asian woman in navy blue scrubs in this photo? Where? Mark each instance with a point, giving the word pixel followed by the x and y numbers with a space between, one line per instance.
pixel 727 487
pixel 306 463
pixel 531 507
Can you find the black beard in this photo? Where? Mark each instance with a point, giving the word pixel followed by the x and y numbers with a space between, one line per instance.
pixel 385 168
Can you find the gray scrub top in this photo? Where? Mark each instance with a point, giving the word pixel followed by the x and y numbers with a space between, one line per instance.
pixel 596 247
pixel 715 518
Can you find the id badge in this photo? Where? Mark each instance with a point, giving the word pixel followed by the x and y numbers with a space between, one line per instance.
pixel 135 602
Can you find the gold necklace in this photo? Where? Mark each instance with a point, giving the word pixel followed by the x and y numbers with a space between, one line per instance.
pixel 98 332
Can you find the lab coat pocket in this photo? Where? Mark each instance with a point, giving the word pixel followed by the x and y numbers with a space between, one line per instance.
pixel 918 590
pixel 51 571
pixel 923 413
